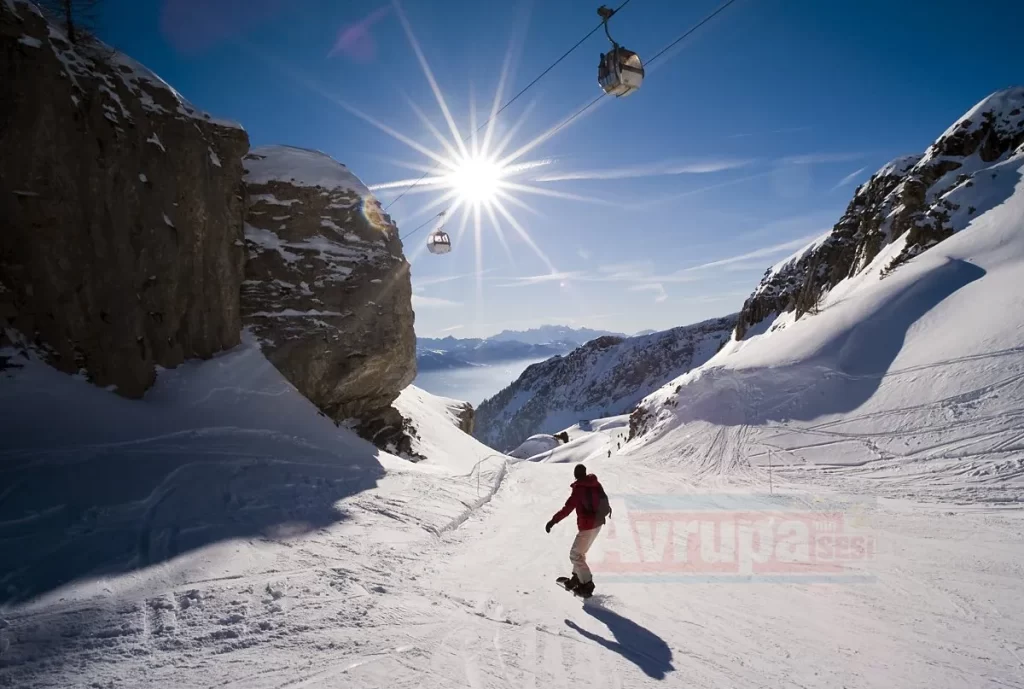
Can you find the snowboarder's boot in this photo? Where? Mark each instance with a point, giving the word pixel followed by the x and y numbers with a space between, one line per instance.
pixel 573 583
pixel 585 590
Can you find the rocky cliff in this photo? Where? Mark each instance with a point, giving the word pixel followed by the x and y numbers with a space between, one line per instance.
pixel 917 200
pixel 327 288
pixel 604 377
pixel 122 207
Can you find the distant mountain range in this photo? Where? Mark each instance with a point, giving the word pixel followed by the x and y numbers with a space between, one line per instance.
pixel 552 333
pixel 607 376
pixel 435 354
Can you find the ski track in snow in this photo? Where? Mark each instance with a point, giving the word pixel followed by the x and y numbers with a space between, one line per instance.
pixel 380 599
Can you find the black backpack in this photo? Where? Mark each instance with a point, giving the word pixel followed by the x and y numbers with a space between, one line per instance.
pixel 595 502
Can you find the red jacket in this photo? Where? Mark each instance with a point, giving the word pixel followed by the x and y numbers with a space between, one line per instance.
pixel 584 499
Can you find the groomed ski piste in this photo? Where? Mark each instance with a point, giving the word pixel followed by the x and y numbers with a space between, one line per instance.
pixel 831 502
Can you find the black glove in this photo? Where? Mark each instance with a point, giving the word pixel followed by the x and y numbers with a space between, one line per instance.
pixel 547 527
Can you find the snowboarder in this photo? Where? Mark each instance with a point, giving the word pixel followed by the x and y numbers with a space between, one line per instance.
pixel 592 509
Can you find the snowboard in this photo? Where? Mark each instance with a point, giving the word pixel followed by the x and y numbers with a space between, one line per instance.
pixel 562 581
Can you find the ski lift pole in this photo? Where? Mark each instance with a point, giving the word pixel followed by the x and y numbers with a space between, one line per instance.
pixel 605 15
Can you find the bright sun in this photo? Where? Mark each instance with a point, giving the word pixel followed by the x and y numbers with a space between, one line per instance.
pixel 476 179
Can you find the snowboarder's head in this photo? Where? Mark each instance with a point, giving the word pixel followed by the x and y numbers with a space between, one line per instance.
pixel 579 472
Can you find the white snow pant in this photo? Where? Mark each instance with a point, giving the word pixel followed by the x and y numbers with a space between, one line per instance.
pixel 578 553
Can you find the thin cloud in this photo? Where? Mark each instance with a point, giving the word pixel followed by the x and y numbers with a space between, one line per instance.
pixel 528 165
pixel 700 190
pixel 660 294
pixel 744 266
pixel 355 41
pixel 427 282
pixel 818 158
pixel 452 328
pixel 639 272
pixel 757 253
pixel 721 296
pixel 541 279
pixel 849 178
pixel 636 270
pixel 421 302
pixel 657 169
pixel 784 130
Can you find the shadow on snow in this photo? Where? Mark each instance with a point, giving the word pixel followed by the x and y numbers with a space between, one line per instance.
pixel 842 374
pixel 635 643
pixel 92 484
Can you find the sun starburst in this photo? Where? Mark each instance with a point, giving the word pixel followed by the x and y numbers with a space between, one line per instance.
pixel 473 180
pixel 476 179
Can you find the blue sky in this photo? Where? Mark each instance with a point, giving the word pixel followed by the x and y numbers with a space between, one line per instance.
pixel 743 142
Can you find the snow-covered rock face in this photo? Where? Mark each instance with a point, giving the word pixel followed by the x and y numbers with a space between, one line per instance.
pixel 606 376
pixel 327 288
pixel 921 199
pixel 122 208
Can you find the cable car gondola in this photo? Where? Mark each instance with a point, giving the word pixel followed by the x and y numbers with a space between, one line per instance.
pixel 438 241
pixel 620 71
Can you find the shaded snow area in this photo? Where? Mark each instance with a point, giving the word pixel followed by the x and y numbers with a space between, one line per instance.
pixel 301 167
pixel 221 518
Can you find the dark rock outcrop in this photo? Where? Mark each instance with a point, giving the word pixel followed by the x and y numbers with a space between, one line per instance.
pixel 604 377
pixel 466 416
pixel 122 208
pixel 327 288
pixel 915 198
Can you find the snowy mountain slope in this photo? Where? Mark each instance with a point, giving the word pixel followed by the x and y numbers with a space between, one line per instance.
pixel 606 376
pixel 605 439
pixel 908 385
pixel 535 445
pixel 553 333
pixel 916 200
pixel 433 418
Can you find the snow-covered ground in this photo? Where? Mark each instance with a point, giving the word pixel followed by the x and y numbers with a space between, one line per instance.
pixel 831 502
pixel 384 596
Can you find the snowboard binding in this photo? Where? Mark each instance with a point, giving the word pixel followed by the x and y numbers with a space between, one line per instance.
pixel 573 584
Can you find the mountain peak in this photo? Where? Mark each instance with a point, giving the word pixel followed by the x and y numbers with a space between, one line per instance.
pixel 911 204
pixel 552 333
